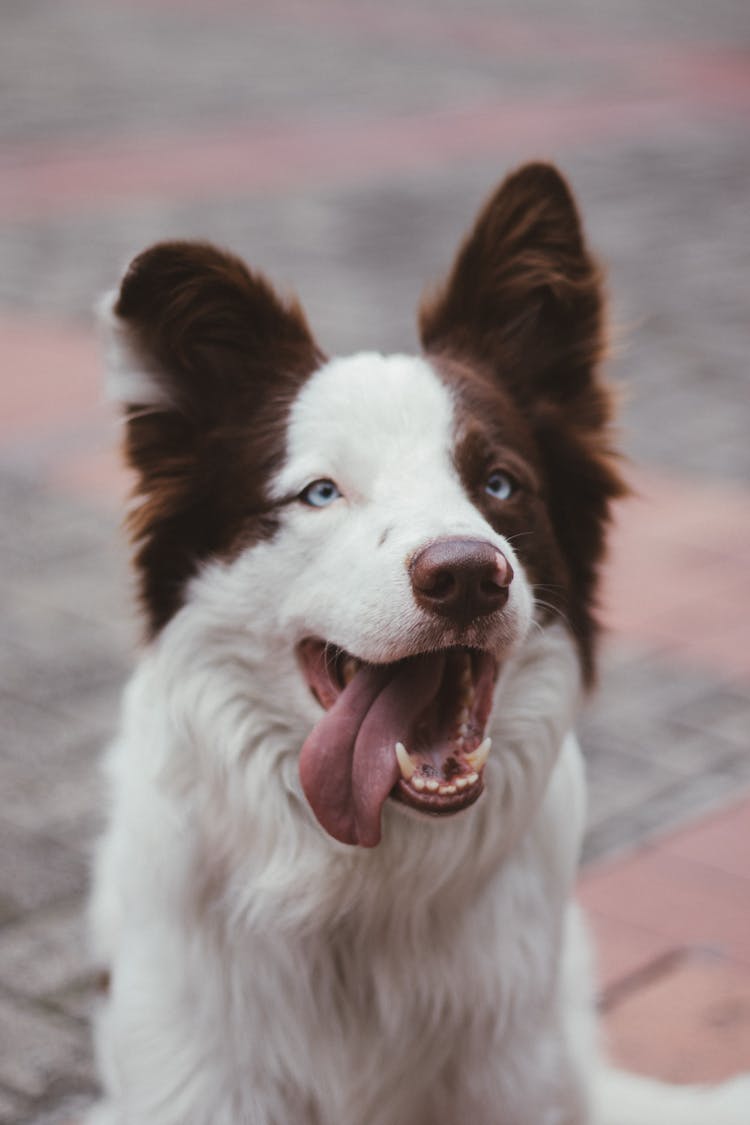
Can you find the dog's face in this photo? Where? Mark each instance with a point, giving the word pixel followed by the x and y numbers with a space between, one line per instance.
pixel 400 523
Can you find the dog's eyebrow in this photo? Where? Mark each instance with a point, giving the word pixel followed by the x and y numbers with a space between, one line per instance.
pixel 478 447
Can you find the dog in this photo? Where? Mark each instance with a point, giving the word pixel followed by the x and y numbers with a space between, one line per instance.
pixel 346 800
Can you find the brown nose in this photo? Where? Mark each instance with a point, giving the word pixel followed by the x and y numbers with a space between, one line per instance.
pixel 461 579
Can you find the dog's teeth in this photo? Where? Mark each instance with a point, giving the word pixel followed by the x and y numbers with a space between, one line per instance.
pixel 405 763
pixel 447 790
pixel 432 785
pixel 418 783
pixel 480 755
pixel 473 778
pixel 462 782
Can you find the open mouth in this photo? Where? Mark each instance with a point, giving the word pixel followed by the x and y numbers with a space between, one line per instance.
pixel 413 730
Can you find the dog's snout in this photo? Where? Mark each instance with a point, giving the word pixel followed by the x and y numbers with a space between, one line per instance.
pixel 460 579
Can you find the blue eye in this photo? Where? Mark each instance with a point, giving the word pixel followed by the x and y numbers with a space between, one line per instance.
pixel 500 485
pixel 319 494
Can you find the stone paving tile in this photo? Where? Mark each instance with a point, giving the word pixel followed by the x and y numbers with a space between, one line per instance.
pixel 671 924
pixel 689 1023
pixel 626 952
pixel 38 869
pixel 119 68
pixel 254 66
pixel 32 357
pixel 660 811
pixel 720 841
pixel 41 955
pixel 66 796
pixel 87 665
pixel 11 1107
pixel 664 741
pixel 659 892
pixel 67 1112
pixel 41 1050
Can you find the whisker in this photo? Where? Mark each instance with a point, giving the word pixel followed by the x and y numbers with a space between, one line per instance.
pixel 330 653
pixel 554 610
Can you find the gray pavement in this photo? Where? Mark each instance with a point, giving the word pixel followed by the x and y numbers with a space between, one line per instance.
pixel 666 207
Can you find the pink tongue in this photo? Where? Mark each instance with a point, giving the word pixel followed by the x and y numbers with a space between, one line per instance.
pixel 348 763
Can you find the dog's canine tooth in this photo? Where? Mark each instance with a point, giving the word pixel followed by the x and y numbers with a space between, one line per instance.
pixel 462 782
pixel 472 778
pixel 479 757
pixel 405 763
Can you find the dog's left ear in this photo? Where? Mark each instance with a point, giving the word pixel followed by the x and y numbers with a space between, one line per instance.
pixel 524 302
pixel 524 297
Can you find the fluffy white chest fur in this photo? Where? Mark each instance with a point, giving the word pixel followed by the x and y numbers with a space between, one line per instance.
pixel 347 805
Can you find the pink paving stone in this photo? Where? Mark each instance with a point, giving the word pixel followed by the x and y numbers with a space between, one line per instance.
pixel 724 650
pixel 691 1024
pixel 98 474
pixel 692 888
pixel 53 373
pixel 660 86
pixel 673 1012
pixel 259 158
pixel 721 841
pixel 676 899
pixel 678 575
pixel 623 949
pixel 701 516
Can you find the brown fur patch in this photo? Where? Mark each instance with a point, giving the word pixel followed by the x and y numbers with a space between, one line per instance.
pixel 229 356
pixel 492 433
pixel 524 306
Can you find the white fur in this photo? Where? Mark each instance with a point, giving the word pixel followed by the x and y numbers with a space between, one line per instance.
pixel 131 379
pixel 264 974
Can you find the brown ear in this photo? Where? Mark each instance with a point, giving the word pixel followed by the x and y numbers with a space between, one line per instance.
pixel 204 330
pixel 205 359
pixel 524 295
pixel 524 302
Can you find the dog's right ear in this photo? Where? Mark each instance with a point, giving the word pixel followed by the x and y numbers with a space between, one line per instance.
pixel 204 358
pixel 193 331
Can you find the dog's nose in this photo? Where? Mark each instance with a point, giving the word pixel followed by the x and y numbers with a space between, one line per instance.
pixel 461 579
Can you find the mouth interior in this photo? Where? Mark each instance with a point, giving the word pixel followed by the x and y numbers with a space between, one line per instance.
pixel 412 730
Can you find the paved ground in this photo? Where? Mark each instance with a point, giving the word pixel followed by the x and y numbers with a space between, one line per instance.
pixel 343 147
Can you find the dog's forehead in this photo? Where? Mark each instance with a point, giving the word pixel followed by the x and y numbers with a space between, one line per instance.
pixel 366 412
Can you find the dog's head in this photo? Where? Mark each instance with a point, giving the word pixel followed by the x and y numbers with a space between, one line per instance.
pixel 396 525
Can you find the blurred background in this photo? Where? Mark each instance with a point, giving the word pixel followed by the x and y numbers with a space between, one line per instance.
pixel 343 146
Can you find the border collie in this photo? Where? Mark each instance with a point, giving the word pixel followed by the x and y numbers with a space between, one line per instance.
pixel 347 804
